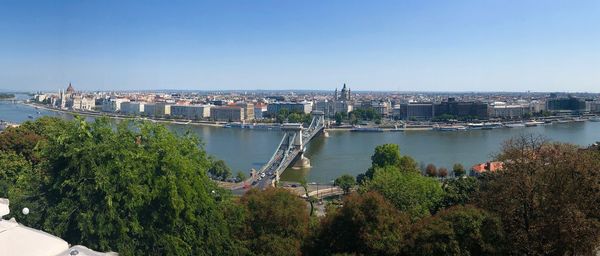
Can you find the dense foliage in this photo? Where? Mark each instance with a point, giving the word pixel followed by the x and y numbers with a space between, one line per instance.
pixel 366 225
pixel 276 222
pixel 219 170
pixel 139 189
pixel 410 192
pixel 133 188
pixel 548 197
pixel 461 230
pixel 284 115
pixel 345 182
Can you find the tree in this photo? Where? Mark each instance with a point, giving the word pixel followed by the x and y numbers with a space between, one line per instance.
pixel 410 192
pixel 431 170
pixel 134 188
pixel 11 166
pixel 219 170
pixel 311 200
pixel 442 172
pixel 240 176
pixel 366 225
pixel 461 230
pixel 277 222
pixel 547 195
pixel 459 191
pixel 458 170
pixel 21 141
pixel 389 155
pixel 338 119
pixel 345 182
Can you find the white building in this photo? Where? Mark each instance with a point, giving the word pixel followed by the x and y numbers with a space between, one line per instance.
pixel 83 103
pixel 504 110
pixel 195 112
pixel 132 108
pixel 113 105
pixel 302 107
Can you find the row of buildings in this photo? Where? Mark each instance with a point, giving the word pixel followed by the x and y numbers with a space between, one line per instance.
pixel 217 110
pixel 230 113
pixel 485 110
pixel 240 108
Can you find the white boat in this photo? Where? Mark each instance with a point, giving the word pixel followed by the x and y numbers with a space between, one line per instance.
pixel 515 125
pixel 595 119
pixel 450 128
pixel 533 123
pixel 563 121
pixel 492 125
pixel 475 126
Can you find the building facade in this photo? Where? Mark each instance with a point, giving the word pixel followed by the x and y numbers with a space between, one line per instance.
pixel 113 105
pixel 227 114
pixel 134 108
pixel 415 111
pixel 568 105
pixel 300 107
pixel 459 109
pixel 194 112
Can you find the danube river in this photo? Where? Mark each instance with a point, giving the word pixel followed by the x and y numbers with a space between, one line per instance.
pixel 350 152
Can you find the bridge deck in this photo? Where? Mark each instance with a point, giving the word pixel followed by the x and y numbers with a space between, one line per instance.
pixel 286 153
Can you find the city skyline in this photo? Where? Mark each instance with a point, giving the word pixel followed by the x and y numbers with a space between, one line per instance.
pixel 462 46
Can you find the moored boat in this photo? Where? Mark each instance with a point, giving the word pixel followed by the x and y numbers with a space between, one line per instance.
pixel 515 125
pixel 492 125
pixel 450 128
pixel 533 123
pixel 475 126
pixel 366 129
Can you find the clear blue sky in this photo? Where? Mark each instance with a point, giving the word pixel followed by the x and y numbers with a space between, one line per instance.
pixel 477 45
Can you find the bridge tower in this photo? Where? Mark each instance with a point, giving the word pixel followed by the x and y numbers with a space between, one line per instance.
pixel 295 134
pixel 293 131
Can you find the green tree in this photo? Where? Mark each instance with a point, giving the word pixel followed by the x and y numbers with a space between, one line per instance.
pixel 134 188
pixel 277 222
pixel 338 118
pixel 458 170
pixel 547 195
pixel 410 192
pixel 311 200
pixel 366 225
pixel 461 230
pixel 295 118
pixel 345 182
pixel 220 170
pixel 241 176
pixel 389 155
pixel 11 166
pixel 459 191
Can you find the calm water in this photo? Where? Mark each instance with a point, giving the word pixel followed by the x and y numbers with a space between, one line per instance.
pixel 348 152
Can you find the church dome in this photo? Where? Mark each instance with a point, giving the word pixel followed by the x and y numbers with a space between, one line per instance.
pixel 70 89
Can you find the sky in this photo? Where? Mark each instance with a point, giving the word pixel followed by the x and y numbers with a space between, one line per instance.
pixel 399 45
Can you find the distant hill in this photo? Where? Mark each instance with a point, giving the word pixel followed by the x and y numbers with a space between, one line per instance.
pixel 6 95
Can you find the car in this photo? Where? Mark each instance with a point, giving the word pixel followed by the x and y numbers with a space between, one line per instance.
pixel 294 185
pixel 254 183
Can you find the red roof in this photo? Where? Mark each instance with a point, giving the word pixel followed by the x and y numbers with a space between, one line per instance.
pixel 489 166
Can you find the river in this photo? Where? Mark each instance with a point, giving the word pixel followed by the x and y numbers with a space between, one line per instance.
pixel 349 152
